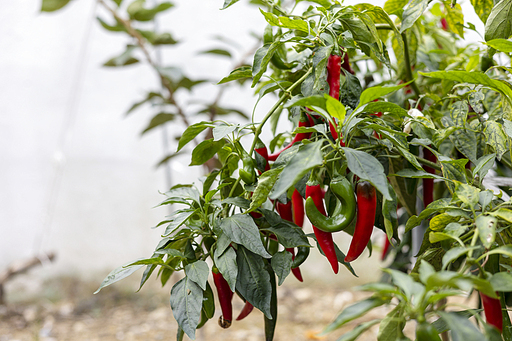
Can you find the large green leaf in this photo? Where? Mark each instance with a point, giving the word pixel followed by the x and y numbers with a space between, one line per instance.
pixel 118 274
pixel 253 281
pixel 282 263
pixel 204 151
pixel 261 59
pixel 367 167
pixel 502 45
pixel 198 272
pixel 308 157
pixel 53 5
pixel 265 184
pixel 238 73
pixel 412 12
pixel 498 23
pixel 186 304
pixel 226 263
pixel 483 8
pixel 461 328
pixel 391 327
pixel 354 311
pixel 241 229
pixel 376 92
pixel 496 138
pixel 392 6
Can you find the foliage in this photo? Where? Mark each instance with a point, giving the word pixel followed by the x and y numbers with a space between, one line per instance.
pixel 417 88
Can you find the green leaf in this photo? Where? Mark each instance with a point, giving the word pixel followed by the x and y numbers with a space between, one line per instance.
pixel 308 157
pixel 221 131
pixel 418 174
pixel 391 6
pixel 208 301
pixel 158 120
pixel 406 283
pixel 483 8
pixel 289 236
pixel 354 311
pixel 486 226
pixel 473 78
pixel 454 170
pixel 118 274
pixel 353 334
pixel 266 182
pixel 439 222
pixel 261 59
pixel 384 107
pixel 226 263
pixel 137 11
pixel 412 12
pixel 502 45
pixel 228 3
pixel 455 253
pixel 441 325
pixel 238 73
pixel 320 60
pixel 391 327
pixel 461 328
pixel 504 250
pixel 367 167
pixel 503 213
pixel 483 165
pixel 117 28
pixel 376 92
pixel 125 58
pixel 335 108
pixel 253 281
pixel 241 229
pixel 495 137
pixel 282 263
pixel 186 303
pixel 311 102
pixel 53 5
pixel 218 52
pixel 198 273
pixel 498 24
pixel 469 195
pixel 502 281
pixel 455 19
pixel 204 151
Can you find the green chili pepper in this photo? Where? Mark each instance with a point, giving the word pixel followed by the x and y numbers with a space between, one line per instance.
pixel 248 172
pixel 301 256
pixel 344 211
pixel 426 332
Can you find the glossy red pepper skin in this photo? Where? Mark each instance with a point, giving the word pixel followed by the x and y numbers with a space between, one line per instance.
pixel 444 24
pixel 492 309
pixel 385 249
pixel 324 238
pixel 225 297
pixel 298 208
pixel 285 211
pixel 366 205
pixel 333 79
pixel 428 184
pixel 246 310
pixel 346 64
pixel 307 122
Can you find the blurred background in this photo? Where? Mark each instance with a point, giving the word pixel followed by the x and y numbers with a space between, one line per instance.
pixel 78 179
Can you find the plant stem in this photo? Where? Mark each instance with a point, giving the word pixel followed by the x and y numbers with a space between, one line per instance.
pixel 428 163
pixel 408 67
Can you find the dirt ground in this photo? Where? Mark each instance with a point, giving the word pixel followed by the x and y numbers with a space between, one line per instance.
pixel 65 309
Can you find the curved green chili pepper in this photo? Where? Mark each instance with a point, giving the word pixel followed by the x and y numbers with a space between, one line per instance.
pixel 301 256
pixel 343 213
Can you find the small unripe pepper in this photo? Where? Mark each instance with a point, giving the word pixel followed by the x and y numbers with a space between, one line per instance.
pixel 366 205
pixel 426 332
pixel 492 309
pixel 305 121
pixel 225 297
pixel 344 211
pixel 324 238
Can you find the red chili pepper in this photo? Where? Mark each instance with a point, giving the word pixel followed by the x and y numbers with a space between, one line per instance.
pixel 444 24
pixel 366 205
pixel 346 64
pixel 324 238
pixel 298 208
pixel 261 149
pixel 492 309
pixel 385 249
pixel 285 211
pixel 428 184
pixel 225 297
pixel 246 310
pixel 304 122
pixel 334 65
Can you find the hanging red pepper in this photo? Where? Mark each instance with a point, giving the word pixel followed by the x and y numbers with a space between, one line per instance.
pixel 324 238
pixel 333 79
pixel 261 149
pixel 385 249
pixel 366 205
pixel 285 211
pixel 298 208
pixel 305 121
pixel 444 24
pixel 246 310
pixel 492 309
pixel 346 64
pixel 225 297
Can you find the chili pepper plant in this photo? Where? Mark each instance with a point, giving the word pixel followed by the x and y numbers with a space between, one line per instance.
pixel 394 118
